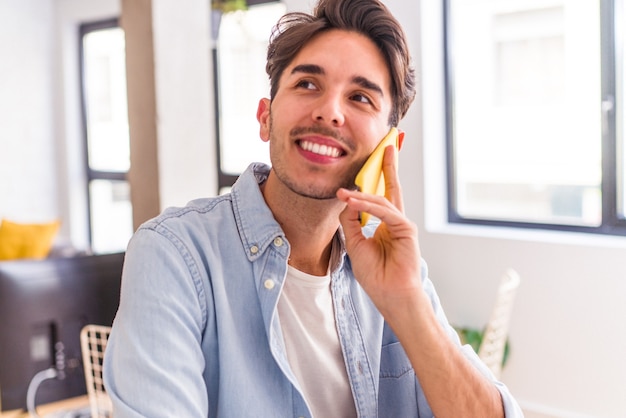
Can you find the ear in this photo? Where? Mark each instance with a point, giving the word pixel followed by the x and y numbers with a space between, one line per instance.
pixel 400 139
pixel 263 116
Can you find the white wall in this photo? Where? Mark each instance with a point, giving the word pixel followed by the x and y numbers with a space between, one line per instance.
pixel 169 79
pixel 28 169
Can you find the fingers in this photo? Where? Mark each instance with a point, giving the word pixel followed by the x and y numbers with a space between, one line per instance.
pixel 393 191
pixel 384 208
pixel 350 221
pixel 377 206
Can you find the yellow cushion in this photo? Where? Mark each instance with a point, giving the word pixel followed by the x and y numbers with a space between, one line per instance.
pixel 26 240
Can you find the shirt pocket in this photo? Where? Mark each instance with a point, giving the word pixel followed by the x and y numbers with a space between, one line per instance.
pixel 397 394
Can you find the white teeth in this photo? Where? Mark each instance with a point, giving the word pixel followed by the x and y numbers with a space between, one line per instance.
pixel 324 150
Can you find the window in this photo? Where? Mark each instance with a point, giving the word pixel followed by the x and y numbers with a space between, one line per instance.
pixel 106 133
pixel 620 100
pixel 534 103
pixel 240 56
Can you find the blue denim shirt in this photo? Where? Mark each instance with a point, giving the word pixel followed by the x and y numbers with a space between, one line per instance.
pixel 197 334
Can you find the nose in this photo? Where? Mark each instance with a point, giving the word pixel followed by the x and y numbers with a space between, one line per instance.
pixel 329 110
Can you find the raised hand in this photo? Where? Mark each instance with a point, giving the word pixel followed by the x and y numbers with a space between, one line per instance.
pixel 387 265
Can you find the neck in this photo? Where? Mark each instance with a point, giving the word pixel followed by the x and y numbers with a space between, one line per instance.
pixel 309 225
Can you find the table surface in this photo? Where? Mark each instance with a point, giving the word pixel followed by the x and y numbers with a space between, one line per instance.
pixel 53 409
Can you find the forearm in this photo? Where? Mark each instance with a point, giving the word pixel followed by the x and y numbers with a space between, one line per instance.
pixel 451 384
pixel 388 266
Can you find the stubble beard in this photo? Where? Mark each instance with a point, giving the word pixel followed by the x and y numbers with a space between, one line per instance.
pixel 281 170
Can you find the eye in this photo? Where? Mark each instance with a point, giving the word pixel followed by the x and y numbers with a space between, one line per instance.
pixel 361 98
pixel 306 84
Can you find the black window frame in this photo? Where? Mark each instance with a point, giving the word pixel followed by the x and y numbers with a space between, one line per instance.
pixel 91 174
pixel 612 223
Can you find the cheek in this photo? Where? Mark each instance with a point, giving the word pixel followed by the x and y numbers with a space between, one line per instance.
pixel 374 135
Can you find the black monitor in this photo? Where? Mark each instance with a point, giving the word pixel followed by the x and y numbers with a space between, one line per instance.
pixel 43 306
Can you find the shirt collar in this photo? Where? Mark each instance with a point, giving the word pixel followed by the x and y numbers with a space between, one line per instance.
pixel 257 227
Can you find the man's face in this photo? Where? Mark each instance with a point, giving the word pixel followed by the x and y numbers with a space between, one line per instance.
pixel 329 113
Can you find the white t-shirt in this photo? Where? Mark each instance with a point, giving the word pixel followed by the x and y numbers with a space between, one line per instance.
pixel 307 318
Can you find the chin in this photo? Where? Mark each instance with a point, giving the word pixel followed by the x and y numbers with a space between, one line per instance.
pixel 318 195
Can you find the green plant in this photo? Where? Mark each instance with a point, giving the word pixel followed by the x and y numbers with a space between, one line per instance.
pixel 226 6
pixel 474 337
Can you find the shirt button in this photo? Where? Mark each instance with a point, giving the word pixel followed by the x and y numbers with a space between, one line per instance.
pixel 254 249
pixel 278 241
pixel 269 284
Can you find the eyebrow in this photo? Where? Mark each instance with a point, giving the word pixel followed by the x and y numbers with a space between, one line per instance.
pixel 368 84
pixel 317 70
pixel 308 69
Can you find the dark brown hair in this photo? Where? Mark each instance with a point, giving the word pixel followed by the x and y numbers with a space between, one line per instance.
pixel 368 17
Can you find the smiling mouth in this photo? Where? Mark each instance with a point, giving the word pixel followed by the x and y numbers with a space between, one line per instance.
pixel 320 149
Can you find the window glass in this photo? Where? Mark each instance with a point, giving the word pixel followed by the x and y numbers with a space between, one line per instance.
pixel 111 215
pixel 242 81
pixel 105 96
pixel 526 91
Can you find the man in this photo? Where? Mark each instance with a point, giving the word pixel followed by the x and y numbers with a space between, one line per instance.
pixel 272 301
